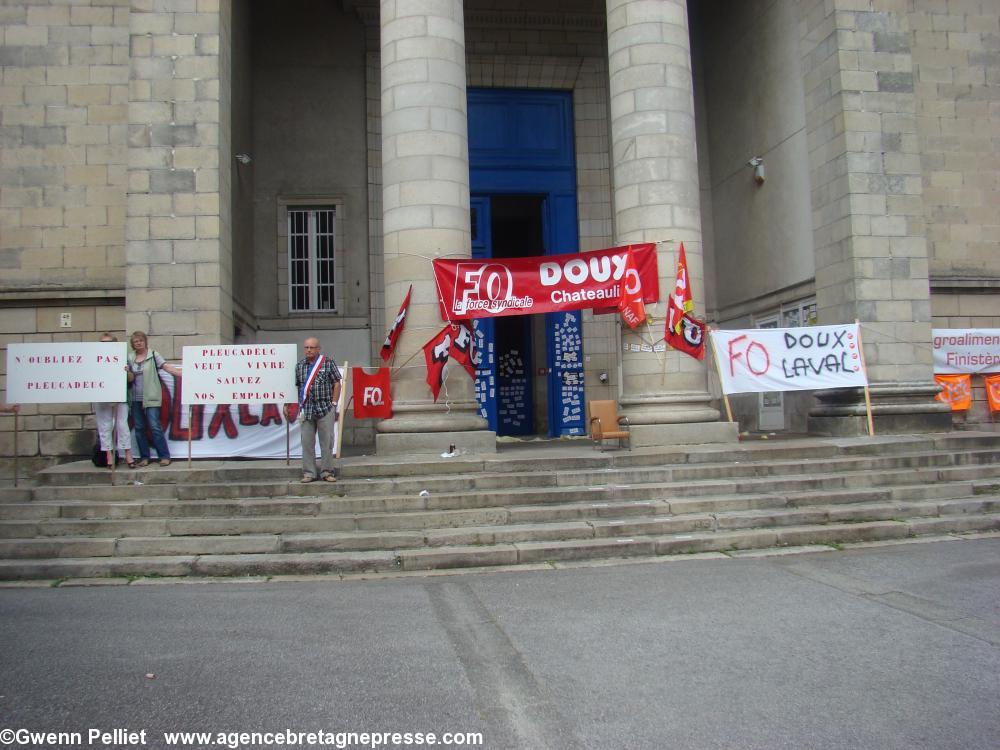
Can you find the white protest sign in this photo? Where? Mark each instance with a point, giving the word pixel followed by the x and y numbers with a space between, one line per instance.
pixel 66 373
pixel 966 350
pixel 239 374
pixel 789 359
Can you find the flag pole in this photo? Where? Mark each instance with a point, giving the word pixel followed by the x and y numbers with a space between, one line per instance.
pixel 868 397
pixel 113 453
pixel 718 371
pixel 341 402
pixel 190 430
pixel 16 457
pixel 663 357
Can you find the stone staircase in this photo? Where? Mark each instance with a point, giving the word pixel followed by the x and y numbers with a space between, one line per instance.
pixel 532 503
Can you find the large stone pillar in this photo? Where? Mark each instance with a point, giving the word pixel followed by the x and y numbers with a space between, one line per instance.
pixel 425 213
pixel 655 183
pixel 178 249
pixel 870 237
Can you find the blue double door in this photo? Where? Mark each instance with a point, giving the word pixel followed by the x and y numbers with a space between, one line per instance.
pixel 523 183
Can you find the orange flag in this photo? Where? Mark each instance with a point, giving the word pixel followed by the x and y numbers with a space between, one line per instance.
pixel 992 391
pixel 955 390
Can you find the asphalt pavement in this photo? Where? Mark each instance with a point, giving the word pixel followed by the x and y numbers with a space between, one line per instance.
pixel 894 646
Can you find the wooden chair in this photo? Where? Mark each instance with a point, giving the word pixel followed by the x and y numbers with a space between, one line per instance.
pixel 605 424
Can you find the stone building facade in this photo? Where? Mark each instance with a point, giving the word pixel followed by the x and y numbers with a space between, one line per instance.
pixel 162 158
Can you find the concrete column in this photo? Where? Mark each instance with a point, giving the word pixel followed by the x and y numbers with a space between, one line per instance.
pixel 869 230
pixel 178 275
pixel 425 213
pixel 655 189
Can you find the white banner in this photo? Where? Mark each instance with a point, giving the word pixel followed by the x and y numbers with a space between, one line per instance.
pixel 229 431
pixel 966 350
pixel 239 374
pixel 789 359
pixel 65 373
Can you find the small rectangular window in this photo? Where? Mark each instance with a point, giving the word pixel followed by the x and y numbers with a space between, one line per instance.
pixel 311 254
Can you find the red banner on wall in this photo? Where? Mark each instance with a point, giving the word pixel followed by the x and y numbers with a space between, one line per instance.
pixel 495 287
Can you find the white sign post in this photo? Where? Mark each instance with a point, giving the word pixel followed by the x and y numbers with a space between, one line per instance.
pixel 790 359
pixel 238 374
pixel 66 373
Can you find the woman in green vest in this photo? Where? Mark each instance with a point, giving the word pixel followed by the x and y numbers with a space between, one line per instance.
pixel 145 397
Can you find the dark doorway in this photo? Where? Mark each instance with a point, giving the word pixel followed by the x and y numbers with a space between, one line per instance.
pixel 517 232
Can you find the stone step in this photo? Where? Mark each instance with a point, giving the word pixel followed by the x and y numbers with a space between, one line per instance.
pixel 201 565
pixel 488 530
pixel 461 483
pixel 512 553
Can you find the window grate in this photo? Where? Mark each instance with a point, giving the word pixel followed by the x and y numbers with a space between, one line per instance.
pixel 311 259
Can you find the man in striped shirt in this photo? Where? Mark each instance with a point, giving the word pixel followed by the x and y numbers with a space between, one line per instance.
pixel 318 380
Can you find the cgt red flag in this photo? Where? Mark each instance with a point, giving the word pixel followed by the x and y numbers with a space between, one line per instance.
pixel 680 302
pixel 436 353
pixel 371 393
pixel 691 339
pixel 389 345
pixel 632 310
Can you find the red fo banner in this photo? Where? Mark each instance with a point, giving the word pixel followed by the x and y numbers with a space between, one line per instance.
pixel 372 397
pixel 389 345
pixel 495 287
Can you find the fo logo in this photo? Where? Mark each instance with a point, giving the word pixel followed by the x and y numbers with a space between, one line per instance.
pixel 480 286
pixel 372 396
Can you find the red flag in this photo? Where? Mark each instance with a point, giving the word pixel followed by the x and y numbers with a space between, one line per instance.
pixel 630 305
pixel 462 350
pixel 372 397
pixel 680 302
pixel 436 353
pixel 691 339
pixel 389 345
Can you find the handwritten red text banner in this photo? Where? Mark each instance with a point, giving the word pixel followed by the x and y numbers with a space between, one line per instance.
pixel 239 374
pixel 495 287
pixel 66 373
pixel 790 359
pixel 228 430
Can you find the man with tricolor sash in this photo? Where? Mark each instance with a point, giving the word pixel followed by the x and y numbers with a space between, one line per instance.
pixel 317 379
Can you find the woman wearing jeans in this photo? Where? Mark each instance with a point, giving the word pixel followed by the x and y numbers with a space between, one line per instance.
pixel 145 397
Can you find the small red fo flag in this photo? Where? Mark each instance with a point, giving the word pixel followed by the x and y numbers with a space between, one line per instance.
pixel 630 305
pixel 389 345
pixel 371 394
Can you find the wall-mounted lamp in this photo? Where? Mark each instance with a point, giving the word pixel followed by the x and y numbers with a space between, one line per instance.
pixel 759 175
pixel 243 158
